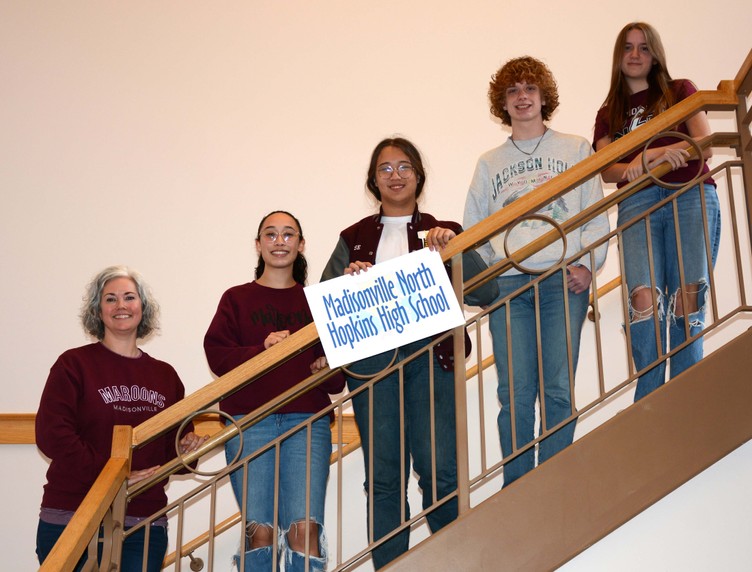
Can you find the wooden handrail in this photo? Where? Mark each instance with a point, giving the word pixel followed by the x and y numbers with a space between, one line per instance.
pixel 18 428
pixel 612 284
pixel 742 84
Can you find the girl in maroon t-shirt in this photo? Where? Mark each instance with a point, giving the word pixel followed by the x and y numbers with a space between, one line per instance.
pixel 641 88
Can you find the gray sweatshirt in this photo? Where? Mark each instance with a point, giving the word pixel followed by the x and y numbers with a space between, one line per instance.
pixel 505 174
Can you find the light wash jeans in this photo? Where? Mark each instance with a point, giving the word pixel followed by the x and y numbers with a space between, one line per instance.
pixel 293 466
pixel 526 379
pixel 667 278
pixel 389 494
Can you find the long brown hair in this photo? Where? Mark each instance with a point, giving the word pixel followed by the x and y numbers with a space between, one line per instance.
pixel 660 97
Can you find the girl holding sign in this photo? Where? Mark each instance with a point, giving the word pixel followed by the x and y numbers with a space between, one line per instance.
pixel 396 178
pixel 251 318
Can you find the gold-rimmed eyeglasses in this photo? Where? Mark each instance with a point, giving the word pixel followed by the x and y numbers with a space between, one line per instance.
pixel 272 235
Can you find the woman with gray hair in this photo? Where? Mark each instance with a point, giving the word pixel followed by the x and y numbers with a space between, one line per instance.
pixel 91 389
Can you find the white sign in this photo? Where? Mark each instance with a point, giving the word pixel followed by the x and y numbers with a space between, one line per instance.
pixel 389 305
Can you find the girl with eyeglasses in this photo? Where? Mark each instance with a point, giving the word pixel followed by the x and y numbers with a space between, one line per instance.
pixel 641 88
pixel 251 318
pixel 396 178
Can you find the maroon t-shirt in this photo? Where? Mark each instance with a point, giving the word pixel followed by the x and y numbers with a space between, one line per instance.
pixel 681 88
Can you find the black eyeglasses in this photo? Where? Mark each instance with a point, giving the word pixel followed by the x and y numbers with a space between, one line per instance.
pixel 404 170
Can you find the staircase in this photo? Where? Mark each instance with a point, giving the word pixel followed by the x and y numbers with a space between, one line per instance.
pixel 605 478
pixel 615 471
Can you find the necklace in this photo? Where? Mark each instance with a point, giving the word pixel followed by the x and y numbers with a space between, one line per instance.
pixel 536 145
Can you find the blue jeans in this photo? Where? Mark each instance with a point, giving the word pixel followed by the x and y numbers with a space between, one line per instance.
pixel 388 483
pixel 133 547
pixel 293 495
pixel 667 277
pixel 526 382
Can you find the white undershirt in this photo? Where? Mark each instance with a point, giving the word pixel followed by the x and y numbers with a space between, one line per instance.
pixel 393 241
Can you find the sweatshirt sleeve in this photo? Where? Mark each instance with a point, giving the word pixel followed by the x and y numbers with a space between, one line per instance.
pixel 476 206
pixel 222 342
pixel 58 425
pixel 335 384
pixel 168 439
pixel 591 191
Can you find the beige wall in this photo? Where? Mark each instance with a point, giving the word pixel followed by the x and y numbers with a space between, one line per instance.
pixel 156 134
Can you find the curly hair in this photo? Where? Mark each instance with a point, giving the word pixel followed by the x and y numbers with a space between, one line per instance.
pixel 299 266
pixel 525 69
pixel 91 312
pixel 408 149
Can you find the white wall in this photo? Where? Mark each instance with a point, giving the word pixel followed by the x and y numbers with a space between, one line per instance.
pixel 703 525
pixel 157 134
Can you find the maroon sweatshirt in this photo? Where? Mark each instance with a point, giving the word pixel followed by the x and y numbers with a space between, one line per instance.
pixel 90 390
pixel 246 315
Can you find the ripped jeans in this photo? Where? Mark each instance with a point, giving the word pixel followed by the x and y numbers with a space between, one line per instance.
pixel 663 241
pixel 259 496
